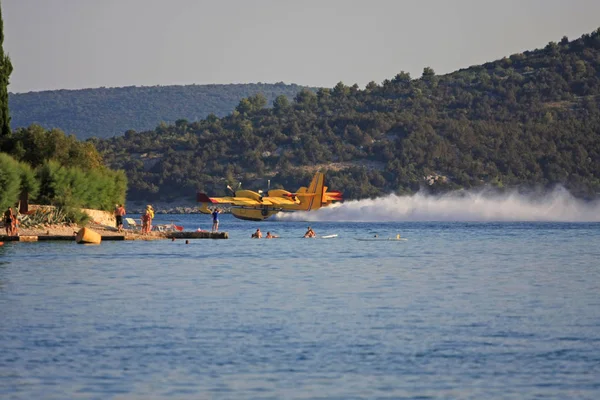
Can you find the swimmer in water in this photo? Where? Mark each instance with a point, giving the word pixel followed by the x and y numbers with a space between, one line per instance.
pixel 257 234
pixel 310 233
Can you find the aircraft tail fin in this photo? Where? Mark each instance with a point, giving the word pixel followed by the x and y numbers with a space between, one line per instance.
pixel 311 198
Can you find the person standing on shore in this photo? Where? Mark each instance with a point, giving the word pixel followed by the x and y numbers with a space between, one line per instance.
pixel 149 217
pixel 15 223
pixel 145 223
pixel 8 221
pixel 119 214
pixel 215 216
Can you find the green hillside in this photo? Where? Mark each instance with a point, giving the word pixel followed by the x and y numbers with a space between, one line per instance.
pixel 528 120
pixel 107 112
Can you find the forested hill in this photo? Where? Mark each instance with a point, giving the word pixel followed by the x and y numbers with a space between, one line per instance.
pixel 528 120
pixel 107 112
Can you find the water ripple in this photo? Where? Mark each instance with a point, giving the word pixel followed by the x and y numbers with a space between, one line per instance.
pixel 460 310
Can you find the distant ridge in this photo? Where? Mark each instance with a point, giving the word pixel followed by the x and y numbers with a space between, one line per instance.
pixel 107 112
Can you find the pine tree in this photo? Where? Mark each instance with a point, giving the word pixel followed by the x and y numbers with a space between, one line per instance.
pixel 5 71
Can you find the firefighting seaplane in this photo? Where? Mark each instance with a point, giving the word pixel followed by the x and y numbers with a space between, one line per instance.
pixel 255 206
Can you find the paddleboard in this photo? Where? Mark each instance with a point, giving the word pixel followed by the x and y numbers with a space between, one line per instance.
pixel 329 236
pixel 381 239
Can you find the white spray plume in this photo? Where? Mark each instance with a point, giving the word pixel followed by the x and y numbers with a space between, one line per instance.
pixel 556 206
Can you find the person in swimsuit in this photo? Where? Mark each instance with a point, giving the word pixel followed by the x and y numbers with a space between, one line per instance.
pixel 147 220
pixel 15 224
pixel 257 234
pixel 310 233
pixel 149 217
pixel 119 214
pixel 8 221
pixel 270 236
pixel 215 216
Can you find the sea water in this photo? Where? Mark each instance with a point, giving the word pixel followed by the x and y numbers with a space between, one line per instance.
pixel 475 310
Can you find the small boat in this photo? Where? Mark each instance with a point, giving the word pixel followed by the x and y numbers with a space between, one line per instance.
pixel 86 235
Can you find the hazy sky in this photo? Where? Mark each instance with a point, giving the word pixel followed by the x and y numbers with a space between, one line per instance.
pixel 70 44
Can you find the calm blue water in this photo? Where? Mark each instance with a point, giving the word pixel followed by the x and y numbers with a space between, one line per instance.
pixel 460 310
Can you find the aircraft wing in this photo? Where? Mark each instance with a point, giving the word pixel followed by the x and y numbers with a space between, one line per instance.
pixel 245 201
pixel 241 201
pixel 279 201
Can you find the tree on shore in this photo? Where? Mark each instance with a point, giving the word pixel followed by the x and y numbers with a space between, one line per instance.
pixel 5 71
pixel 50 166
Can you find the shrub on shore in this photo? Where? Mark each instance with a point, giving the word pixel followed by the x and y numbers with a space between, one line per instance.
pixel 15 178
pixel 67 188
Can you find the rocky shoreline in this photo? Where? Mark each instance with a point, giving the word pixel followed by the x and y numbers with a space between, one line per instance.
pixel 167 208
pixel 69 231
pixel 163 207
pixel 72 229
